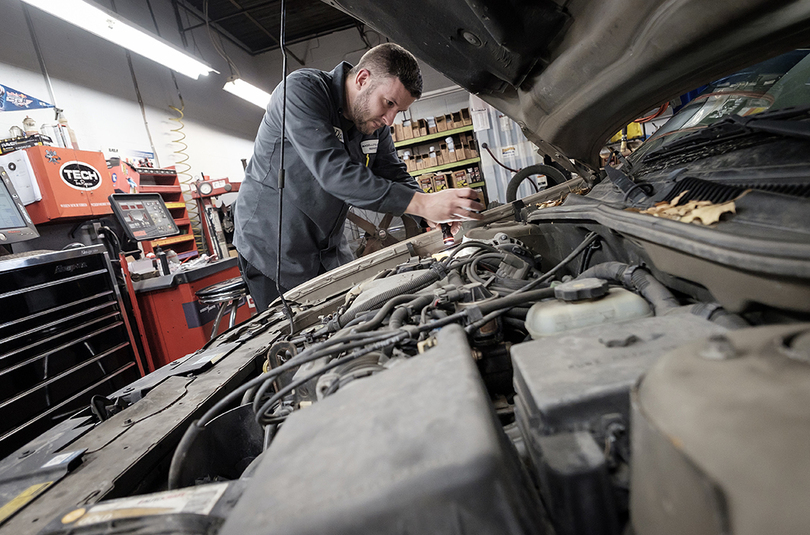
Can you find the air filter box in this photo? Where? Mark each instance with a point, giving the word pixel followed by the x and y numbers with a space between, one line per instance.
pixel 572 389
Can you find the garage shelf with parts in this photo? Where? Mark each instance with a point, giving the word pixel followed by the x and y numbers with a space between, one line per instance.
pixel 441 152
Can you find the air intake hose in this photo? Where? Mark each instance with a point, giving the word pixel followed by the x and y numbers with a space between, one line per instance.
pixel 436 272
pixel 638 279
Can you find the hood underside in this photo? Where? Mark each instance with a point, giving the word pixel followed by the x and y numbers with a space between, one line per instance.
pixel 574 73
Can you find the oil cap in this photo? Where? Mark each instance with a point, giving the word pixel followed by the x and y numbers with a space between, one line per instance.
pixel 579 289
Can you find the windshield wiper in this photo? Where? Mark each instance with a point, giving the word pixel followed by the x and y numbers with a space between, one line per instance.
pixel 784 122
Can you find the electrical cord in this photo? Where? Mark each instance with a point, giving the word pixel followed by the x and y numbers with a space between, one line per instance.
pixel 281 171
pixel 218 44
pixel 465 245
pixel 473 267
pixel 590 238
pixel 316 352
pixel 382 344
pixel 486 148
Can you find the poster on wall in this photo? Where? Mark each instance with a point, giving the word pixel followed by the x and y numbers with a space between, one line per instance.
pixel 13 100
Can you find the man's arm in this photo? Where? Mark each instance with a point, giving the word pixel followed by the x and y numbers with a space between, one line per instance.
pixel 312 135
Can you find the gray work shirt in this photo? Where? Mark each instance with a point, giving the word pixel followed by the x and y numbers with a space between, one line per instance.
pixel 329 166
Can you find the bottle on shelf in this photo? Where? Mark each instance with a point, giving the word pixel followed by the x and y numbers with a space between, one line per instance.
pixel 67 133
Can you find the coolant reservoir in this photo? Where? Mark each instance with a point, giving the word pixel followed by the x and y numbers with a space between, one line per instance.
pixel 583 303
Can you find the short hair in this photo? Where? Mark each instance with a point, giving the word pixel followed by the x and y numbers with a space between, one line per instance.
pixel 389 59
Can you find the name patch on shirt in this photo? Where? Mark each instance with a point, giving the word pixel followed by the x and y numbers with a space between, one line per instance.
pixel 369 146
pixel 339 133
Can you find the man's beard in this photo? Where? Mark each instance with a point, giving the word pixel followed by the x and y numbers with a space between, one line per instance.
pixel 361 113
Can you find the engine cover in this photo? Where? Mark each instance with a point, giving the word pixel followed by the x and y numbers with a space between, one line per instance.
pixel 415 449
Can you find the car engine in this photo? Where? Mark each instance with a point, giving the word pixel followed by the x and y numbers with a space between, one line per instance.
pixel 535 378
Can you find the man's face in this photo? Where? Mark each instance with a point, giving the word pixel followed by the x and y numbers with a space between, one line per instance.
pixel 378 101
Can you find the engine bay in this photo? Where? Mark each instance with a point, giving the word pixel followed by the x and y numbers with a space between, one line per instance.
pixel 493 387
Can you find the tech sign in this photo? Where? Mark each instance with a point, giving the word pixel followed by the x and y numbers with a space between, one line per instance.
pixel 80 176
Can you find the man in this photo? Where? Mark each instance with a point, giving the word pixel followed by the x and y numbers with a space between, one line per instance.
pixel 338 152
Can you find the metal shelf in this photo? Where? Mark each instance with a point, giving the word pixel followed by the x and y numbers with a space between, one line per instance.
pixel 429 137
pixel 443 167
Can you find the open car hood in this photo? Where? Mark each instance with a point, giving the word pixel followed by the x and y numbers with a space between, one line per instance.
pixel 573 73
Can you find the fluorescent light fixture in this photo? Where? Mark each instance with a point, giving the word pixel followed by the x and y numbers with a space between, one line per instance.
pixel 247 91
pixel 113 28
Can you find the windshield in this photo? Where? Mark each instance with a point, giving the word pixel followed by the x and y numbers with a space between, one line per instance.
pixel 777 83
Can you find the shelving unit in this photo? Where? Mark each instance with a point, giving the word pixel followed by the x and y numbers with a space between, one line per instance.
pixel 466 163
pixel 167 184
pixel 429 137
pixel 444 167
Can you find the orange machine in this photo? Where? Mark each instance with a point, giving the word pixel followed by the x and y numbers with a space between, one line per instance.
pixel 73 183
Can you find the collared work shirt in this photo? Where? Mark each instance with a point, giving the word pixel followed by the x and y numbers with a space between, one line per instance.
pixel 329 164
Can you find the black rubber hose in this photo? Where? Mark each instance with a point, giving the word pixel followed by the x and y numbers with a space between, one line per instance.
pixel 401 314
pixel 640 280
pixel 496 307
pixel 378 318
pixel 516 299
pixel 376 346
pixel 553 178
pixel 413 285
pixel 181 453
pixel 465 245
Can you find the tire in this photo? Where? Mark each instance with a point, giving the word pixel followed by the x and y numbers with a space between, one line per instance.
pixel 553 177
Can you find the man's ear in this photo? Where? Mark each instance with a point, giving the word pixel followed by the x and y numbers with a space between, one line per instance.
pixel 362 78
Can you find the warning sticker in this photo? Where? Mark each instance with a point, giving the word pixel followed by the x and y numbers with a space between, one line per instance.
pixel 197 500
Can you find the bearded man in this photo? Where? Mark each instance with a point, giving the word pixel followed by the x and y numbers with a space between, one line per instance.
pixel 338 152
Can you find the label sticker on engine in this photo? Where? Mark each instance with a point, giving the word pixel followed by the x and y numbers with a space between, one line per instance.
pixel 197 500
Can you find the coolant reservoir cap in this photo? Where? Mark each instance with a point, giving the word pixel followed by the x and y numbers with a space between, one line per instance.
pixel 579 289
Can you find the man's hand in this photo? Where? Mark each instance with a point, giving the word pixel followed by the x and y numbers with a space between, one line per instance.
pixel 453 204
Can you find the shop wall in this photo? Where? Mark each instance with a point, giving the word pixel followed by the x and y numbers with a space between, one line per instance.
pixel 93 84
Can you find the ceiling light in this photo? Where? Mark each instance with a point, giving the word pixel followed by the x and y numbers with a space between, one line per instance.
pixel 113 28
pixel 247 91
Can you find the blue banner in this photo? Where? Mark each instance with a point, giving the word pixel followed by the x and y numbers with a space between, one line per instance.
pixel 13 100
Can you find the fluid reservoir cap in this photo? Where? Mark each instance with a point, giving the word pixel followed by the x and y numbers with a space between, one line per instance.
pixel 579 289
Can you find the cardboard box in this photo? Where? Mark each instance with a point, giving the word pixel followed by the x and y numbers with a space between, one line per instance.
pixel 448 120
pixel 441 123
pixel 426 183
pixel 398 133
pixel 461 152
pixel 466 119
pixel 460 179
pixel 431 123
pixel 440 182
pixel 423 128
pixel 407 130
pixel 457 123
